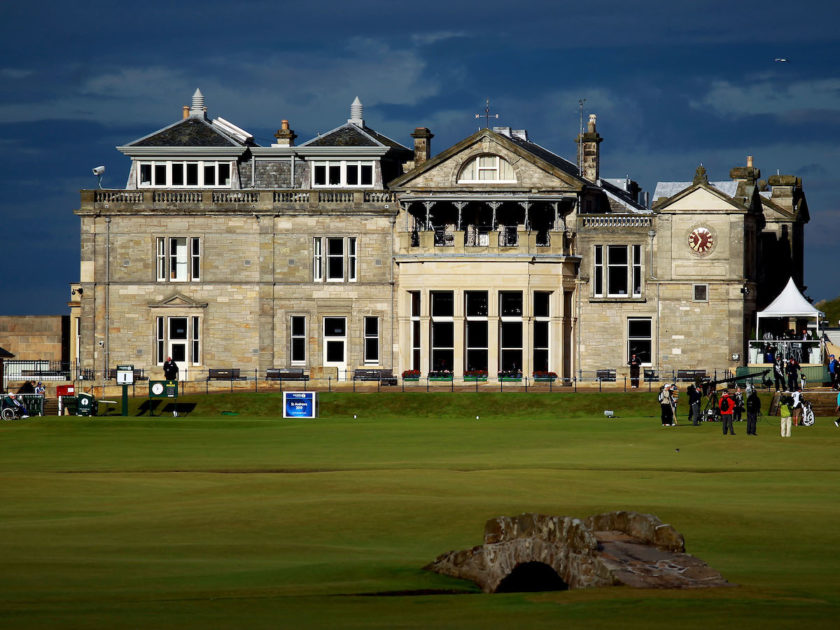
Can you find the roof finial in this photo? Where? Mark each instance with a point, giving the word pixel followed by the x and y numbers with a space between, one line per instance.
pixel 700 176
pixel 356 113
pixel 197 108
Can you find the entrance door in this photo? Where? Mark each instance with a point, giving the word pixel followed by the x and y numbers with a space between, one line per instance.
pixel 178 339
pixel 335 344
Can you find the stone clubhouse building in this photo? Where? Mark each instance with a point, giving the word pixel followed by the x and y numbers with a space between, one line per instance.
pixel 352 251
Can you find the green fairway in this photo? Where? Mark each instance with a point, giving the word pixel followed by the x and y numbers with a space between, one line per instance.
pixel 249 520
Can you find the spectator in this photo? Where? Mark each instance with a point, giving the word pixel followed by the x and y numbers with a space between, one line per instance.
pixel 753 409
pixel 27 388
pixel 726 406
pixel 12 401
pixel 796 405
pixel 40 389
pixel 170 370
pixel 694 397
pixel 635 364
pixel 738 399
pixel 665 404
pixel 792 372
pixel 834 371
pixel 779 373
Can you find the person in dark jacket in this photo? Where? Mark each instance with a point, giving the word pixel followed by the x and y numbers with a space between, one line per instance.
pixel 635 364
pixel 753 409
pixel 779 373
pixel 792 372
pixel 694 396
pixel 170 369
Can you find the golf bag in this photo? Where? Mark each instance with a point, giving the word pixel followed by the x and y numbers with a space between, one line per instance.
pixel 807 414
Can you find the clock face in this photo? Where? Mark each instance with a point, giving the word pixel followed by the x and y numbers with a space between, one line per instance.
pixel 157 388
pixel 701 240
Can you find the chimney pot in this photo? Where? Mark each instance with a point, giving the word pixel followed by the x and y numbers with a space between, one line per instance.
pixel 185 112
pixel 749 161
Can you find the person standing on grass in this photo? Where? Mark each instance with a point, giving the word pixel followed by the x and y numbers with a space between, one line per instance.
pixel 792 371
pixel 665 404
pixel 738 398
pixel 796 407
pixel 753 409
pixel 694 396
pixel 837 422
pixel 635 364
pixel 784 413
pixel 779 373
pixel 727 407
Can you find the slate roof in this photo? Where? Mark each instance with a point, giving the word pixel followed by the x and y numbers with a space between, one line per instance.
pixel 191 132
pixel 669 189
pixel 544 154
pixel 351 135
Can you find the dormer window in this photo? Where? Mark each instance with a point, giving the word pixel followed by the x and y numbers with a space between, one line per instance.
pixel 342 173
pixel 182 174
pixel 487 169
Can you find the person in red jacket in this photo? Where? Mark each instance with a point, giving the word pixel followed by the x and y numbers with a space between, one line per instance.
pixel 727 407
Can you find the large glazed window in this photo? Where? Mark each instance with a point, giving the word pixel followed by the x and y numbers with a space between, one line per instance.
pixel 487 169
pixel 178 259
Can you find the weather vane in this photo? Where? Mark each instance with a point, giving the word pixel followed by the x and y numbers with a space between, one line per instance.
pixel 487 115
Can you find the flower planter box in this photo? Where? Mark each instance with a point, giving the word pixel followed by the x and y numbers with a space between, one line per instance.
pixel 475 378
pixel 440 378
pixel 411 378
pixel 545 379
pixel 510 379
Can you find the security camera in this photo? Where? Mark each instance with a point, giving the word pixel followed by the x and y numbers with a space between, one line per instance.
pixel 101 343
pixel 99 170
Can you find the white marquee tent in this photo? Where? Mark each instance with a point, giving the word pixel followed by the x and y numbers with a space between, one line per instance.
pixel 789 303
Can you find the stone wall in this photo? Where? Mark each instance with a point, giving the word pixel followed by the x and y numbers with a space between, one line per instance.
pixel 31 337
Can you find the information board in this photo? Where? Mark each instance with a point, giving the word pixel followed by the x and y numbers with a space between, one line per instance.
pixel 163 389
pixel 300 405
pixel 125 374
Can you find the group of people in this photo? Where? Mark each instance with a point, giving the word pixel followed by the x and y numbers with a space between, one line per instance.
pixel 787 374
pixel 730 407
pixel 15 401
pixel 791 407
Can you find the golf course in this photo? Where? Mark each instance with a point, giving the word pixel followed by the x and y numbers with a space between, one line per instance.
pixel 230 516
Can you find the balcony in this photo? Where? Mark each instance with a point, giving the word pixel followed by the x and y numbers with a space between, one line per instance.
pixel 478 239
pixel 127 201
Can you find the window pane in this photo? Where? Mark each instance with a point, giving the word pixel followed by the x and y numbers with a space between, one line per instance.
pixel 179 352
pixel 160 174
pixel 476 303
pixel 352 174
pixel 335 174
pixel 443 334
pixel 298 349
pixel 511 335
pixel 177 174
pixel 146 174
pixel 511 360
pixel 371 350
pixel 192 174
pixel 477 359
pixel 617 280
pixel 298 326
pixel 367 175
pixel 617 255
pixel 541 303
pixel 510 303
pixel 476 334
pixel 177 328
pixel 442 360
pixel 335 268
pixel 178 259
pixel 320 174
pixel 541 334
pixel 639 327
pixel 335 351
pixel 224 175
pixel 209 174
pixel 415 303
pixel 371 326
pixel 335 326
pixel 540 361
pixel 486 161
pixel 443 304
pixel 335 246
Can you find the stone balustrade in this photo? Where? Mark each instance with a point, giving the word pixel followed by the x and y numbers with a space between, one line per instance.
pixel 615 221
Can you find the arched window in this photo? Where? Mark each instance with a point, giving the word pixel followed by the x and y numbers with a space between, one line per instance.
pixel 487 169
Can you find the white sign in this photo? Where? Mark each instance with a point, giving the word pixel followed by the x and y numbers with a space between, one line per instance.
pixel 125 374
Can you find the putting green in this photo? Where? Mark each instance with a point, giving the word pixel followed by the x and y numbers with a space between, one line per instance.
pixel 255 521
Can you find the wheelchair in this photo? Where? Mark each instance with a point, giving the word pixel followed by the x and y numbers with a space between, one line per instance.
pixel 11 412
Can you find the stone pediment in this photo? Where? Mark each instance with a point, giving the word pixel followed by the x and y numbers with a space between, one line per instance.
pixel 533 166
pixel 178 300
pixel 700 198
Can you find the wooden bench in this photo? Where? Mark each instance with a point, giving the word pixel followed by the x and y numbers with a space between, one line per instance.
pixel 690 375
pixel 224 374
pixel 385 377
pixel 605 375
pixel 651 376
pixel 138 374
pixel 278 374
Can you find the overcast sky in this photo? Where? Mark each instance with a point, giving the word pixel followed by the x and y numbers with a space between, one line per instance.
pixel 673 84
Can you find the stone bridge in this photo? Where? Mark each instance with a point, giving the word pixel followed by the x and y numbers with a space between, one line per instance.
pixel 535 552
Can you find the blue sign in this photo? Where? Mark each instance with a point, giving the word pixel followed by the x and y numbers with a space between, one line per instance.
pixel 300 405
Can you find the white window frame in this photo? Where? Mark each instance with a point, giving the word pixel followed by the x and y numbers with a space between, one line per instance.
pixel 322 256
pixel 512 319
pixel 343 171
pixel 193 340
pixel 601 267
pixel 416 335
pixel 168 179
pixel 440 319
pixel 631 339
pixel 368 336
pixel 165 257
pixel 474 166
pixel 334 338
pixel 543 320
pixel 297 336
pixel 468 319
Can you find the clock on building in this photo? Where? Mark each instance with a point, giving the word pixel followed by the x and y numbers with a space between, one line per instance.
pixel 701 240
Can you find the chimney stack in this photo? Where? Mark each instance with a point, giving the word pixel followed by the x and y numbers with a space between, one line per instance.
pixel 285 136
pixel 422 145
pixel 590 153
pixel 748 173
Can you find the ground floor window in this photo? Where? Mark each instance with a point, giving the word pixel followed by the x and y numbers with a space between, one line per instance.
pixel 371 340
pixel 475 335
pixel 179 338
pixel 335 341
pixel 640 338
pixel 297 342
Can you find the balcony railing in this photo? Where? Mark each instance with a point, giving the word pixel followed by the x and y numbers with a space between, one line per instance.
pixel 802 351
pixel 615 221
pixel 258 199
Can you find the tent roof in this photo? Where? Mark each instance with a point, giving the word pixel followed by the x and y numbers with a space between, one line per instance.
pixel 790 303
